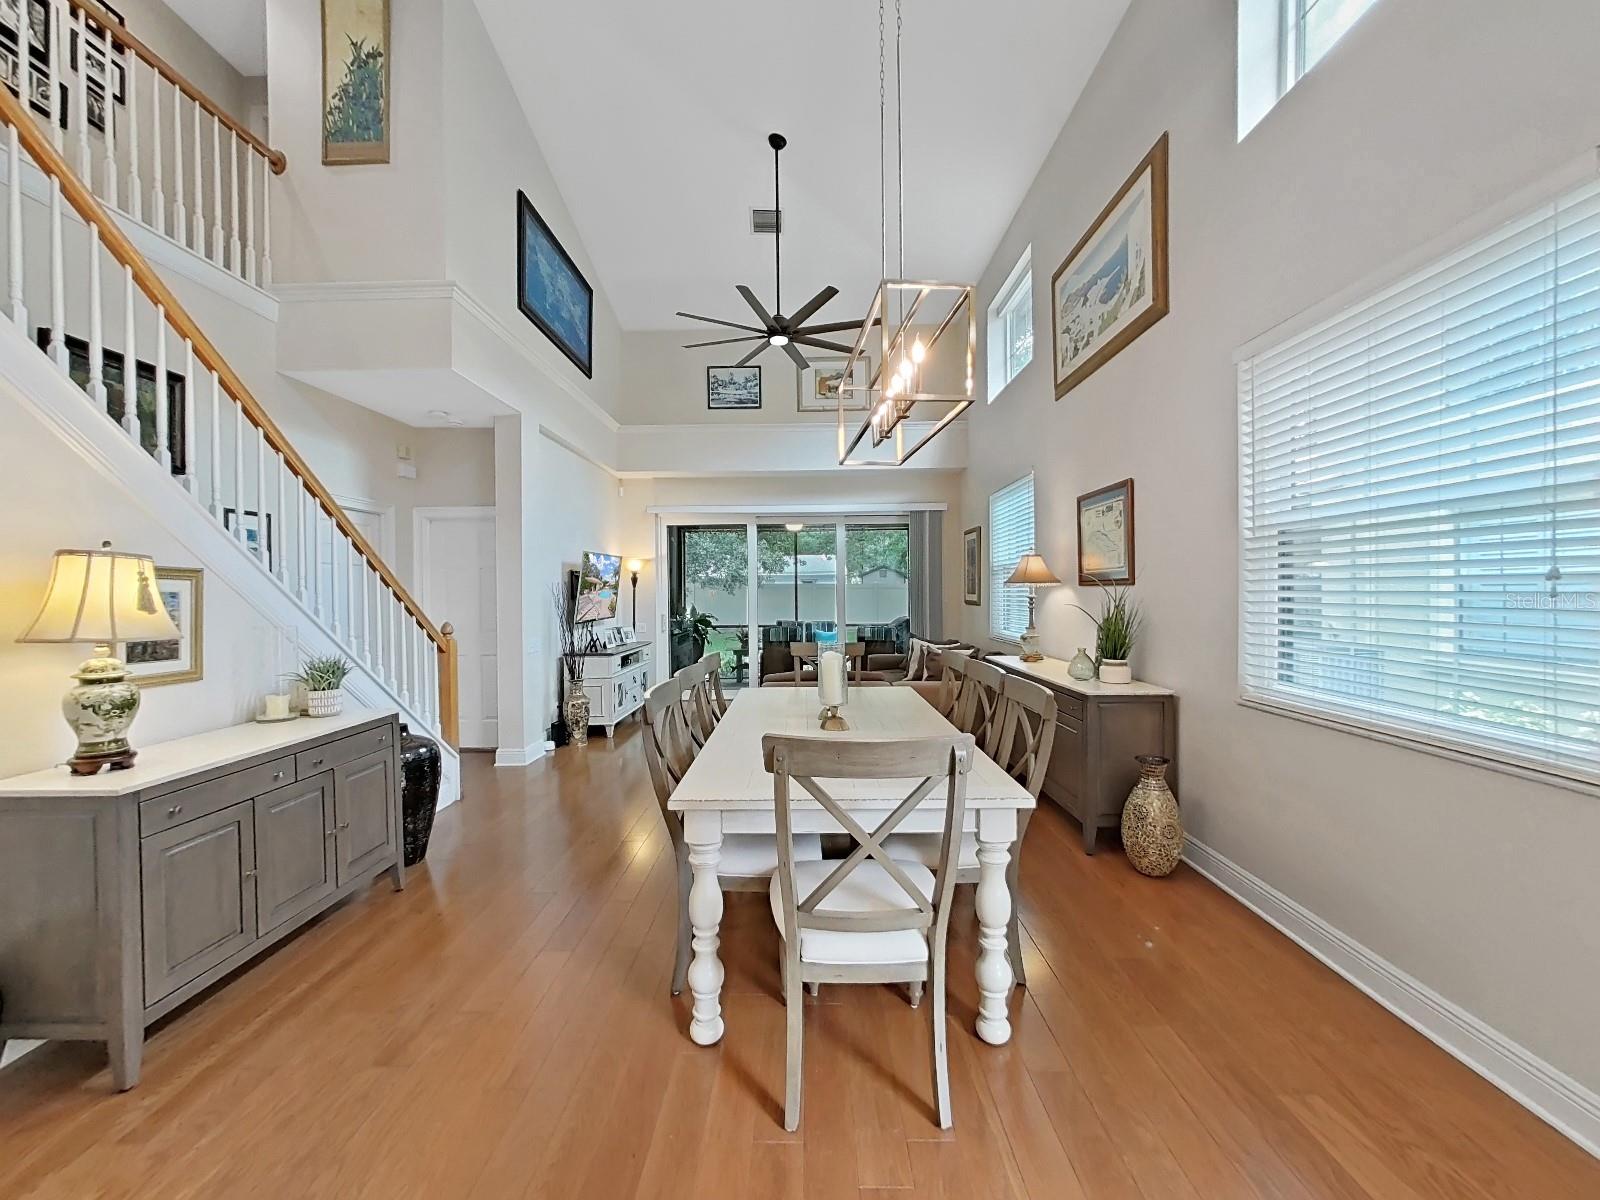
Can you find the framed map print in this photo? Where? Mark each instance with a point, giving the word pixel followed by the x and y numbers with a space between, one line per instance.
pixel 1105 535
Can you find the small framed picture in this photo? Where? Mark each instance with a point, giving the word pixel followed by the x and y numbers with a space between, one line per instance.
pixel 1105 534
pixel 972 566
pixel 256 540
pixel 38 25
pixel 820 385
pixel 733 387
pixel 98 70
pixel 182 659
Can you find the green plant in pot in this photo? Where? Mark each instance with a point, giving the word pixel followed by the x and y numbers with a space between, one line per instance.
pixel 323 678
pixel 1116 630
pixel 695 625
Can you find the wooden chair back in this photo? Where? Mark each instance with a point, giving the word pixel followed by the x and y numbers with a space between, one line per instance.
pixel 952 673
pixel 855 654
pixel 807 761
pixel 711 700
pixel 1029 733
pixel 691 681
pixel 980 709
pixel 668 748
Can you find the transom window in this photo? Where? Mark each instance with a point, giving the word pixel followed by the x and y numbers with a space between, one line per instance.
pixel 1011 326
pixel 1010 537
pixel 1420 541
pixel 1311 27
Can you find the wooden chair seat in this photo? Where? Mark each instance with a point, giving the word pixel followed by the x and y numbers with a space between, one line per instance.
pixel 868 889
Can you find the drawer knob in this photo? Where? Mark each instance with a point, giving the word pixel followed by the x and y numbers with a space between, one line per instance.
pixel 331 833
pixel 316 762
pixel 174 810
pixel 249 874
pixel 344 825
pixel 277 775
pixel 383 738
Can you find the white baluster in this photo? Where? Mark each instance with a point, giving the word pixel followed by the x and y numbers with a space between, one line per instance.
pixel 266 225
pixel 58 280
pixel 249 215
pixel 19 310
pixel 97 348
pixel 80 88
pixel 334 538
pixel 180 217
pixel 238 474
pixel 300 504
pixel 130 361
pixel 54 60
pixel 261 495
pixel 403 656
pixel 219 248
pixel 110 102
pixel 283 513
pixel 216 447
pixel 135 188
pixel 191 467
pixel 158 202
pixel 163 420
pixel 234 264
pixel 377 625
pixel 366 610
pixel 316 562
pixel 353 591
pixel 199 240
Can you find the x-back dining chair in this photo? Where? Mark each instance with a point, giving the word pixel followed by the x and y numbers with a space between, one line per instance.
pixel 980 707
pixel 804 654
pixel 1027 736
pixel 716 702
pixel 694 698
pixel 866 918
pixel 748 859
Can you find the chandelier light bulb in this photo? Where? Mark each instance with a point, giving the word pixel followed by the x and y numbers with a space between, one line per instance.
pixel 918 351
pixel 904 369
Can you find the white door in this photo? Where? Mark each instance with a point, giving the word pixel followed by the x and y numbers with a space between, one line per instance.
pixel 455 564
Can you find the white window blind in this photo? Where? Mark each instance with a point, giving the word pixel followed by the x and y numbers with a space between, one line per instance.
pixel 1010 537
pixel 1420 503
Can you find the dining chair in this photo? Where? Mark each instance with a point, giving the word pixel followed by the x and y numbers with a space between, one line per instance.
pixel 1027 737
pixel 980 706
pixel 691 681
pixel 716 700
pixel 748 859
pixel 865 918
pixel 945 690
pixel 804 653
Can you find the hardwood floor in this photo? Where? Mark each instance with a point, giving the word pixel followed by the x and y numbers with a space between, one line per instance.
pixel 503 1029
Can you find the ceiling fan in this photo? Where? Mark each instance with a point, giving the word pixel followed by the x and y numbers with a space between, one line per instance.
pixel 790 332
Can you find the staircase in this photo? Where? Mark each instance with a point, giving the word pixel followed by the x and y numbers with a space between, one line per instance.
pixel 89 311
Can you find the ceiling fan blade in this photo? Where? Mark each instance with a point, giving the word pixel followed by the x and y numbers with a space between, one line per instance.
pixel 793 352
pixel 758 337
pixel 820 344
pixel 832 327
pixel 799 316
pixel 750 299
pixel 749 358
pixel 719 321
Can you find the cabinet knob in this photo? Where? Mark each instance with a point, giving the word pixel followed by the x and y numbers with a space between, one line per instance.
pixel 344 825
pixel 249 874
pixel 316 762
pixel 277 775
pixel 331 833
pixel 174 810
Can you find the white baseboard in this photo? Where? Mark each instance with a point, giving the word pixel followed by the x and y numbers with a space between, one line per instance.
pixel 521 758
pixel 1542 1089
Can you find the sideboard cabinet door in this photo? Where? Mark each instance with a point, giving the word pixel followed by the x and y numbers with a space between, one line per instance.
pixel 199 897
pixel 294 849
pixel 363 793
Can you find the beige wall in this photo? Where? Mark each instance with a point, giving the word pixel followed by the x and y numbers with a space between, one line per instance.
pixel 664 384
pixel 158 27
pixel 1480 885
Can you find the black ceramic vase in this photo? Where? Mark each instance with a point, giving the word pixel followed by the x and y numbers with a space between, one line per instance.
pixel 419 791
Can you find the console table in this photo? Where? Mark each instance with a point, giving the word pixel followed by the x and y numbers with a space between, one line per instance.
pixel 1100 728
pixel 615 681
pixel 124 894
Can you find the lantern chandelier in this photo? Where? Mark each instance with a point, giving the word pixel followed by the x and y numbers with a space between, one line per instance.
pixel 925 363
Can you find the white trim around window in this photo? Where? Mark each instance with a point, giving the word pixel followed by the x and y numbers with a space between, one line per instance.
pixel 1010 326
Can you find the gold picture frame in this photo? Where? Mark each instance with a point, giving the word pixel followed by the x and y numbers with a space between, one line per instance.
pixel 158 663
pixel 353 31
pixel 1113 284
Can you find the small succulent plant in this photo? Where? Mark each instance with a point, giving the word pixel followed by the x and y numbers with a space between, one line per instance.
pixel 324 673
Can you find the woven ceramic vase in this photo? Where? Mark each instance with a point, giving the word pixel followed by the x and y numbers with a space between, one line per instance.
pixel 1152 828
pixel 577 714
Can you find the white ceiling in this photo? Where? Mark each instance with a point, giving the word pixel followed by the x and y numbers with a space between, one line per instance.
pixel 654 118
pixel 236 29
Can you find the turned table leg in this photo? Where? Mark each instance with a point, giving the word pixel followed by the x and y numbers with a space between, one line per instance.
pixel 993 904
pixel 703 833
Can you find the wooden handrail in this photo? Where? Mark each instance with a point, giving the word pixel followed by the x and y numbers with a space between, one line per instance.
pixel 38 145
pixel 179 80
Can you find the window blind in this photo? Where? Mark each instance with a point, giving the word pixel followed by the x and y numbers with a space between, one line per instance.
pixel 1010 537
pixel 1420 503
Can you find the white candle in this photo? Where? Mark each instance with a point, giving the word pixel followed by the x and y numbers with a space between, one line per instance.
pixel 277 706
pixel 830 678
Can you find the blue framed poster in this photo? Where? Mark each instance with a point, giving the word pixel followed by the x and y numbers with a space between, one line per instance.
pixel 551 291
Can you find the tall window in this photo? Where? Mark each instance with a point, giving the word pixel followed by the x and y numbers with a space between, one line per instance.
pixel 878 584
pixel 1279 41
pixel 1420 546
pixel 1311 27
pixel 1011 326
pixel 1010 537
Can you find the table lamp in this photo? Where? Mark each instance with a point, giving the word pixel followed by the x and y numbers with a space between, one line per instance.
pixel 101 597
pixel 1033 574
pixel 634 567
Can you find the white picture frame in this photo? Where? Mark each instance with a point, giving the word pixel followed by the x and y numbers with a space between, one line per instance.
pixel 813 390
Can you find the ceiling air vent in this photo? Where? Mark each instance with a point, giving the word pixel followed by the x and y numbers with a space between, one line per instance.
pixel 765 220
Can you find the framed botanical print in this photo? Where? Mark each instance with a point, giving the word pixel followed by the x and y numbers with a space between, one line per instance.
pixel 819 385
pixel 551 291
pixel 733 387
pixel 1113 285
pixel 256 537
pixel 1105 535
pixel 180 659
pixel 355 82
pixel 972 566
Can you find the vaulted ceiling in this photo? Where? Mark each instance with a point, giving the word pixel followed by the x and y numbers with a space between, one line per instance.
pixel 236 29
pixel 654 118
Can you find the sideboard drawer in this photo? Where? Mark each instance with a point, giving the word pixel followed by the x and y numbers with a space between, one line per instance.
pixel 203 799
pixel 1069 705
pixel 334 754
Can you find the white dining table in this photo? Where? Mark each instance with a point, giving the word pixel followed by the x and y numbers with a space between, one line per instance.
pixel 728 790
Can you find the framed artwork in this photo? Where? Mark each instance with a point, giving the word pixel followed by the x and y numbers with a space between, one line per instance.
pixel 99 69
pixel 181 659
pixel 551 291
pixel 972 566
pixel 257 541
pixel 1113 285
pixel 1105 535
pixel 38 26
pixel 355 82
pixel 733 387
pixel 819 385
pixel 114 376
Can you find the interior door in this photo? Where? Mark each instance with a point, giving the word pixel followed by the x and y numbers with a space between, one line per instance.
pixel 364 813
pixel 294 849
pixel 458 586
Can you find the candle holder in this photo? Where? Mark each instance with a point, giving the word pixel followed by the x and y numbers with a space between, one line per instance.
pixel 832 722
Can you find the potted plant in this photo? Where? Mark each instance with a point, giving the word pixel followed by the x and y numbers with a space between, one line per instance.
pixel 697 627
pixel 323 678
pixel 575 706
pixel 1116 630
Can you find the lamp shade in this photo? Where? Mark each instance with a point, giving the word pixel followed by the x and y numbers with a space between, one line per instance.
pixel 1031 569
pixel 635 566
pixel 101 596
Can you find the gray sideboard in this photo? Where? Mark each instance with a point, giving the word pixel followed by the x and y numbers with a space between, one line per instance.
pixel 1100 727
pixel 124 894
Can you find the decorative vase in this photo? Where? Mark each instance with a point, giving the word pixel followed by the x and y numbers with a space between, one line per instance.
pixel 100 709
pixel 577 714
pixel 325 704
pixel 1082 666
pixel 1115 670
pixel 419 791
pixel 1152 827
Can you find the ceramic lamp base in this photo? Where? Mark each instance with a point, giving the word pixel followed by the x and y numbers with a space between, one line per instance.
pixel 1031 648
pixel 99 711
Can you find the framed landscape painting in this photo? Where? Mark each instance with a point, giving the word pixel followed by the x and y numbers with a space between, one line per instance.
pixel 355 81
pixel 972 566
pixel 551 291
pixel 819 385
pixel 180 659
pixel 733 387
pixel 1113 285
pixel 1105 535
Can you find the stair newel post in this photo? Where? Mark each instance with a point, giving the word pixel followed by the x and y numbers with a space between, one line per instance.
pixel 97 360
pixel 19 311
pixel 266 227
pixel 130 358
pixel 163 420
pixel 58 279
pixel 449 687
pixel 109 101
